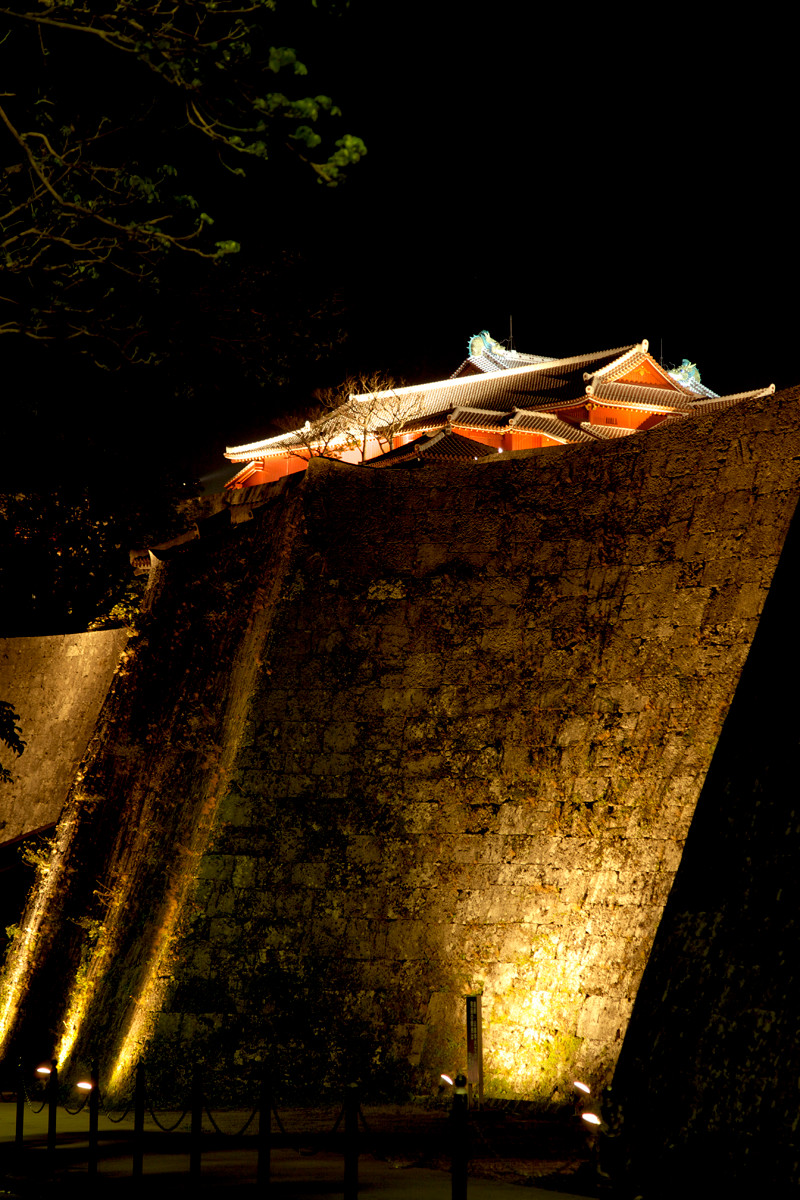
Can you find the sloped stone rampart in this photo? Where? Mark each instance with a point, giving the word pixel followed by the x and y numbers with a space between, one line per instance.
pixel 57 684
pixel 471 761
pixel 709 1074
pixel 89 946
pixel 446 730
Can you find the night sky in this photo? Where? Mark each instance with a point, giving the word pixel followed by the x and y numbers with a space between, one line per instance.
pixel 603 180
pixel 597 177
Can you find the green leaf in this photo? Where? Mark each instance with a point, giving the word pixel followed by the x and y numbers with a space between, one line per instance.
pixel 306 135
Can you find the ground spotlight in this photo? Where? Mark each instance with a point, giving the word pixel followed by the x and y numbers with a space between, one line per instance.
pixel 591 1118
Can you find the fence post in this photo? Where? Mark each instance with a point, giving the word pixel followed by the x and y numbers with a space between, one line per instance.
pixel 138 1123
pixel 459 1115
pixel 52 1108
pixel 196 1147
pixel 94 1116
pixel 474 1051
pixel 19 1130
pixel 351 1106
pixel 264 1133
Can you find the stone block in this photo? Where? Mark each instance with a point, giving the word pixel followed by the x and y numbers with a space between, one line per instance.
pixel 310 874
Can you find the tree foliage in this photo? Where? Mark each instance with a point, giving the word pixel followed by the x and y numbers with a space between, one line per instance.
pixel 65 553
pixel 118 121
pixel 266 324
pixel 10 736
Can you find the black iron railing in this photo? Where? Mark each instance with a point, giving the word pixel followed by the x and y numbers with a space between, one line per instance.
pixel 454 1137
pixel 47 1096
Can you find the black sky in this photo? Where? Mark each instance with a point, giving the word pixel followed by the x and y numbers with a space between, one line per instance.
pixel 601 180
pixel 600 176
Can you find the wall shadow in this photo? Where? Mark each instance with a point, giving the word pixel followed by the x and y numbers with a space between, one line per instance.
pixel 709 1068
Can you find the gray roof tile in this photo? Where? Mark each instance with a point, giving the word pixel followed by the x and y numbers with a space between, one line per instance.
pixel 631 395
pixel 606 432
pixel 443 445
pixel 535 422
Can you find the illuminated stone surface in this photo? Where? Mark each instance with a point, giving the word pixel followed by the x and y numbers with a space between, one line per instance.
pixel 446 731
pixel 57 685
pixel 709 1071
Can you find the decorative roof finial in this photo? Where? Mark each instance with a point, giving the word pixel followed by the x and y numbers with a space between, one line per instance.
pixel 686 373
pixel 483 343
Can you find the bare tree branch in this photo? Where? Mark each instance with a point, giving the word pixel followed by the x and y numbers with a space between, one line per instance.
pixel 90 202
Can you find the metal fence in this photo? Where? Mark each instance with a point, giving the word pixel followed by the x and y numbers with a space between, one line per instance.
pixel 47 1096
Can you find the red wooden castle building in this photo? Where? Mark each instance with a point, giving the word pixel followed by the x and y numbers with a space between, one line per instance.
pixel 496 400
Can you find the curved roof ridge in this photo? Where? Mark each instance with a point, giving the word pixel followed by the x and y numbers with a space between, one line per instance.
pixel 465 380
pixel 641 353
pixel 534 412
pixel 636 394
pixel 471 408
pixel 753 394
pixel 708 404
pixel 627 356
pixel 679 404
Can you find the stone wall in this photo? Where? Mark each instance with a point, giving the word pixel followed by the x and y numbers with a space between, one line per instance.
pixel 709 1072
pixel 446 730
pixel 57 685
pixel 471 761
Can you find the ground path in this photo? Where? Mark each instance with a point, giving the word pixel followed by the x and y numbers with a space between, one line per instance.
pixel 404 1156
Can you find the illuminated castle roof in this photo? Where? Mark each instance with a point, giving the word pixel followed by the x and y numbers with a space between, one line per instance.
pixel 442 446
pixel 510 400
